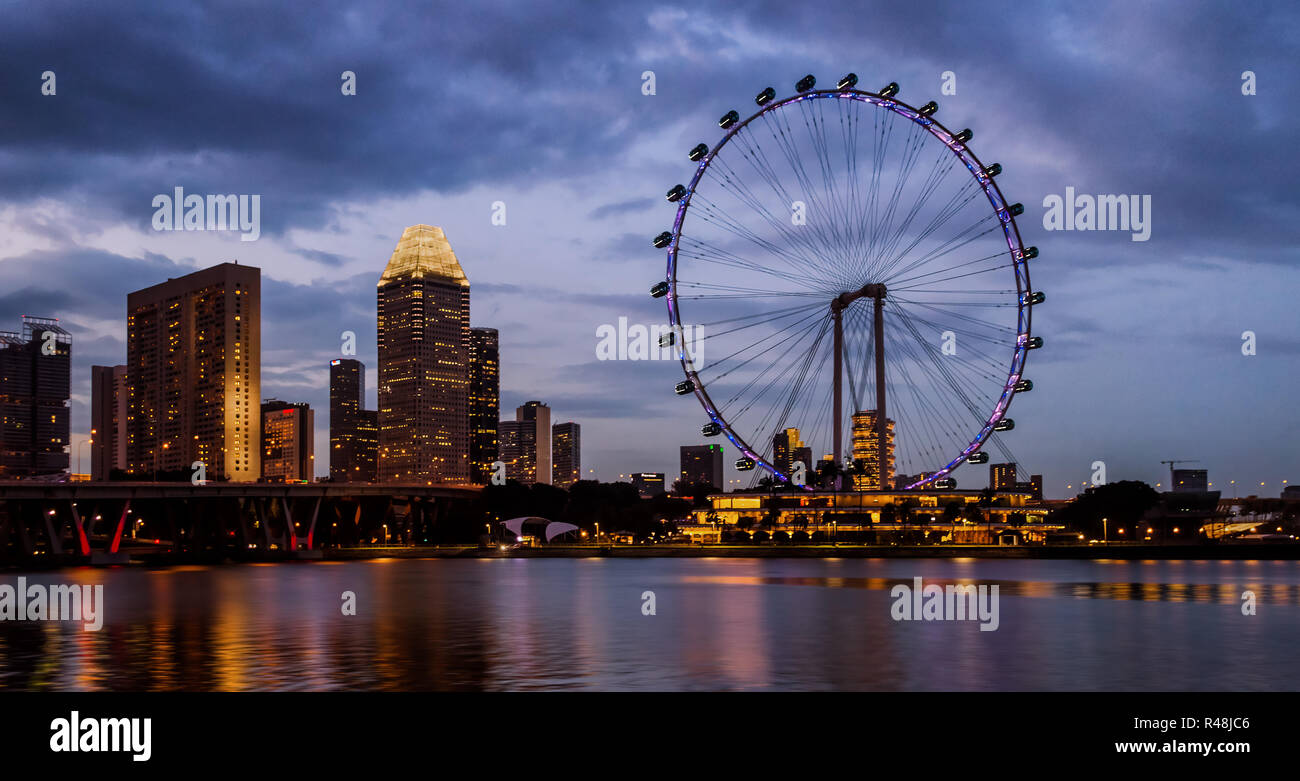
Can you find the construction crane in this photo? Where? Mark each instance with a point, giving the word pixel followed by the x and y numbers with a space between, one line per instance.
pixel 1171 468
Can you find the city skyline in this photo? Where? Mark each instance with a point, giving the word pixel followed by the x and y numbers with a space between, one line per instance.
pixel 1144 338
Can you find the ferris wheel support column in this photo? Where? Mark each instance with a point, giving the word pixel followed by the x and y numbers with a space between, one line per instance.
pixel 877 294
pixel 836 417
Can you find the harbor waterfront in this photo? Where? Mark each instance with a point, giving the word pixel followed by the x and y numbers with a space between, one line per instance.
pixel 515 623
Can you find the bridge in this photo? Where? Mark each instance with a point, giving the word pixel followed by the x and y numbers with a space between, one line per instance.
pixel 104 522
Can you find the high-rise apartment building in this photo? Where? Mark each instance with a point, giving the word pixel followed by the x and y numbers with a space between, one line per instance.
pixel 566 452
pixel 108 410
pixel 352 428
pixel 35 380
pixel 423 335
pixel 1002 477
pixel 702 464
pixel 484 402
pixel 866 446
pixel 526 444
pixel 194 346
pixel 288 442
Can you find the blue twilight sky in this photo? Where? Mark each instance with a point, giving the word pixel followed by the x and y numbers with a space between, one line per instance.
pixel 541 107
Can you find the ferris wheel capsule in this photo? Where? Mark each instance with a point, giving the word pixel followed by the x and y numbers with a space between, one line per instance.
pixel 1029 253
pixel 1024 386
pixel 964 136
pixel 744 464
pixel 728 119
pixel 711 429
pixel 676 194
pixel 1037 297
pixel 978 458
pixel 1006 424
pixel 1034 343
pixel 663 240
pixel 928 109
pixel 684 387
pixel 806 83
pixel 890 90
pixel 848 82
pixel 766 96
pixel 698 152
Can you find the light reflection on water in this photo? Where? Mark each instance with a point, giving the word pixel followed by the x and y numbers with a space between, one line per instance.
pixel 505 624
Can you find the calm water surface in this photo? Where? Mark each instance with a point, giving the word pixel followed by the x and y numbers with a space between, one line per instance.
pixel 754 624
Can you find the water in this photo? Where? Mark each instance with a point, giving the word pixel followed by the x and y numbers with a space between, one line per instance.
pixel 752 624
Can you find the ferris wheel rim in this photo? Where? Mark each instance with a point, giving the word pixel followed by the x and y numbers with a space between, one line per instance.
pixel 1001 209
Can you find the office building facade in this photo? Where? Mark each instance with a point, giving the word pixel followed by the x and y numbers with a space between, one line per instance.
pixel 288 442
pixel 484 402
pixel 35 382
pixel 702 464
pixel 108 411
pixel 566 452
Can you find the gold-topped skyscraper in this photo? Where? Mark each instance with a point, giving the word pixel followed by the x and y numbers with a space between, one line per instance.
pixel 423 330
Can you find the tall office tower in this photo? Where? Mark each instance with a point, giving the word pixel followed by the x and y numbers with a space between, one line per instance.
pixel 347 398
pixel 288 442
pixel 366 467
pixel 108 404
pixel 1002 477
pixel 484 402
pixel 566 452
pixel 526 444
pixel 35 380
pixel 702 464
pixel 194 374
pixel 648 484
pixel 423 329
pixel 787 448
pixel 866 447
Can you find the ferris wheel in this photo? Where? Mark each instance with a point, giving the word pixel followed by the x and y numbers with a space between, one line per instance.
pixel 843 265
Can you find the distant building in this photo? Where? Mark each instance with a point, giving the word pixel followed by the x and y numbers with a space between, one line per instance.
pixel 353 432
pixel 648 483
pixel 423 338
pixel 35 382
pixel 484 402
pixel 1291 493
pixel 108 410
pixel 1188 481
pixel 194 374
pixel 526 444
pixel 702 464
pixel 566 451
pixel 1034 486
pixel 866 448
pixel 288 442
pixel 1002 477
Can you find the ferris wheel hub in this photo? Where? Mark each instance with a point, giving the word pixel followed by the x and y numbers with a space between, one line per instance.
pixel 874 290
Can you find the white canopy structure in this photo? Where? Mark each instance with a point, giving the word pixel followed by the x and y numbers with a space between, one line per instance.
pixel 549 529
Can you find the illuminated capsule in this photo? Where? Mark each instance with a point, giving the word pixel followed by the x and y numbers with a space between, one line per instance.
pixel 765 97
pixel 1006 424
pixel 963 136
pixel 890 90
pixel 1024 386
pixel 728 119
pixel 1037 297
pixel 1030 253
pixel 993 170
pixel 1034 343
pixel 668 339
pixel 744 464
pixel 978 458
pixel 663 240
pixel 805 84
pixel 848 82
pixel 711 429
pixel 1016 209
pixel 684 387
pixel 698 152
pixel 659 290
pixel 928 109
pixel 676 194
pixel 945 484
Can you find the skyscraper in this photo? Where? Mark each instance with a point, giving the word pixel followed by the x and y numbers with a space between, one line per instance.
pixel 566 451
pixel 866 447
pixel 352 428
pixel 702 464
pixel 194 374
pixel 108 410
pixel 288 442
pixel 484 402
pixel 35 379
pixel 787 449
pixel 1002 477
pixel 423 330
pixel 526 444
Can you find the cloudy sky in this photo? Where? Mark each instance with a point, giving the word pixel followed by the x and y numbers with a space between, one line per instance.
pixel 460 105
